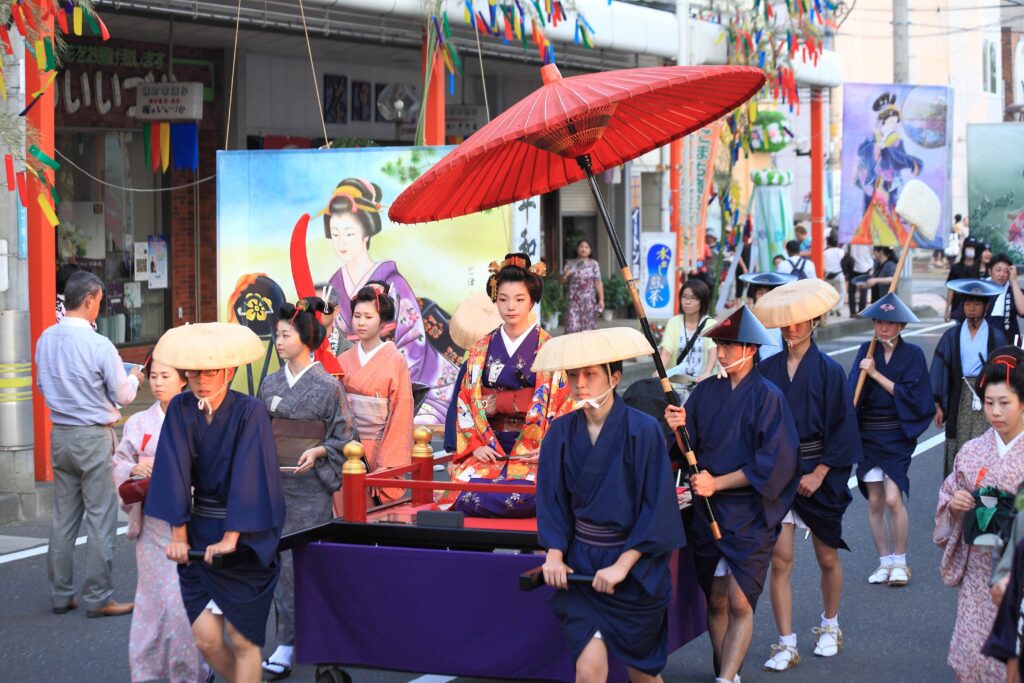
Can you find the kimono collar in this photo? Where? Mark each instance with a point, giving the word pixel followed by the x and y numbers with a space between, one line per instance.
pixel 1004 448
pixel 366 356
pixel 512 345
pixel 292 379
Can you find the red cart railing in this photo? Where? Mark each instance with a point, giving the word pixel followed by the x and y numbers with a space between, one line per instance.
pixel 356 483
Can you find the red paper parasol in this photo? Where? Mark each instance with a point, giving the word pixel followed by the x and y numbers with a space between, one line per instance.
pixel 535 146
pixel 571 129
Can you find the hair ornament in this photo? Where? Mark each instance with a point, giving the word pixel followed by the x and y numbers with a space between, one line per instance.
pixel 1008 362
pixel 356 199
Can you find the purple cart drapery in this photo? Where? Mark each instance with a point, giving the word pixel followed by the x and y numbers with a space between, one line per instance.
pixel 446 612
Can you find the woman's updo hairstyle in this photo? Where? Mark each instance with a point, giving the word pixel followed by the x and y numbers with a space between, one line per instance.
pixel 302 317
pixel 517 268
pixel 357 197
pixel 376 293
pixel 1005 365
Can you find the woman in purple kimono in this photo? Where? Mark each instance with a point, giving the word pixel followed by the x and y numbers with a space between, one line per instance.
pixel 351 219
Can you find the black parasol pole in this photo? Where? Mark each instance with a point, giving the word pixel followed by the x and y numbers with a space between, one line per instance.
pixel 682 439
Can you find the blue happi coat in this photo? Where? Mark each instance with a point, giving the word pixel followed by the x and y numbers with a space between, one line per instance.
pixel 826 423
pixel 622 488
pixel 748 428
pixel 229 464
pixel 890 424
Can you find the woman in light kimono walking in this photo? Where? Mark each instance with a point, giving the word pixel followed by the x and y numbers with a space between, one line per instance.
pixel 310 419
pixel 988 469
pixel 378 386
pixel 160 643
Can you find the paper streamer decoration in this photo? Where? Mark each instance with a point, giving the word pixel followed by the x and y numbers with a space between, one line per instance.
pixel 185 146
pixel 22 188
pixel 77 20
pixel 154 147
pixel 9 167
pixel 44 204
pixel 44 158
pixel 165 146
pixel 147 144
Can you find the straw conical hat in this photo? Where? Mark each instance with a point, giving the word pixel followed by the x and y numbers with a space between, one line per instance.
pixel 476 316
pixel 796 302
pixel 208 346
pixel 593 347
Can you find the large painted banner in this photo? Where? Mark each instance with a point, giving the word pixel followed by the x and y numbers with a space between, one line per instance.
pixel 892 134
pixel 696 180
pixel 297 221
pixel 995 185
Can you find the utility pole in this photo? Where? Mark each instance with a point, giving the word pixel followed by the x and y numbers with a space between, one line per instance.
pixel 901 74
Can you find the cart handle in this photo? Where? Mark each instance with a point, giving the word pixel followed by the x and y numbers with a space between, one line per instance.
pixel 534 579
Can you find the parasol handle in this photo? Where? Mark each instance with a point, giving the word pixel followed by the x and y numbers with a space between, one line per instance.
pixel 892 288
pixel 682 438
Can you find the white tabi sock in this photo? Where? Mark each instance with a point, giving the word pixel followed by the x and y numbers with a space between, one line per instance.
pixel 283 655
pixel 885 560
pixel 900 559
pixel 789 640
pixel 833 622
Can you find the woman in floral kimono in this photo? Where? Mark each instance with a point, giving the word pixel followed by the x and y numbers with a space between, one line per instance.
pixel 160 643
pixel 351 219
pixel 377 381
pixel 504 408
pixel 582 277
pixel 986 469
pixel 311 423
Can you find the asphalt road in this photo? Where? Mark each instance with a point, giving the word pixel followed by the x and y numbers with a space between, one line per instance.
pixel 890 634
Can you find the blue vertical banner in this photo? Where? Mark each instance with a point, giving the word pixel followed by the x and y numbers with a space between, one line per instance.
pixel 658 273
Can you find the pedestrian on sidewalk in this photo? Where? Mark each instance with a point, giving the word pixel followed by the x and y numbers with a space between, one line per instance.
pixel 967 267
pixel 83 380
pixel 160 643
pixel 894 409
pixel 682 345
pixel 969 529
pixel 834 274
pixel 584 289
pixel 861 264
pixel 822 406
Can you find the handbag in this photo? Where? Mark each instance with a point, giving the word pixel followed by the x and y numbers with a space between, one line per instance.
pixel 991 520
pixel 133 490
pixel 497 505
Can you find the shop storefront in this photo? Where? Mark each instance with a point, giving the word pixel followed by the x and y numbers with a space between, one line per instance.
pixel 135 228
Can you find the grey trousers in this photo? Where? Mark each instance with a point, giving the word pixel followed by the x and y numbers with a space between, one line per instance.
pixel 83 485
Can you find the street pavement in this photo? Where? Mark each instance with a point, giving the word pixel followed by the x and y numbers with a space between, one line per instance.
pixel 890 634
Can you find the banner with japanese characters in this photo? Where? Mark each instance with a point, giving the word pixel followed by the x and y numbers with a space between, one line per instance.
pixel 658 273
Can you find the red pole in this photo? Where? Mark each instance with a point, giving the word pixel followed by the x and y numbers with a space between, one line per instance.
pixel 817 183
pixel 353 490
pixel 434 126
pixel 42 262
pixel 675 162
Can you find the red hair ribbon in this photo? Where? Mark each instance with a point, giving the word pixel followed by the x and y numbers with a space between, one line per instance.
pixel 377 291
pixel 300 305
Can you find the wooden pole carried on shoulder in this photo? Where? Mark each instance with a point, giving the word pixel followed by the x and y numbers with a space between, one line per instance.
pixel 920 208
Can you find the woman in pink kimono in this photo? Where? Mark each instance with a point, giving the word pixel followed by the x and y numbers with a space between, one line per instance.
pixel 160 643
pixel 987 472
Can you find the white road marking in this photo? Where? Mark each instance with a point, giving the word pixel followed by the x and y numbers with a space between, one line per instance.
pixel 921 448
pixel 41 550
pixel 915 333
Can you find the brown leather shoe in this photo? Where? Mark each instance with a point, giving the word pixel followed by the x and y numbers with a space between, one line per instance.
pixel 111 609
pixel 72 604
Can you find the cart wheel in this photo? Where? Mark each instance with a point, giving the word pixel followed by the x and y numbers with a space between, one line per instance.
pixel 331 673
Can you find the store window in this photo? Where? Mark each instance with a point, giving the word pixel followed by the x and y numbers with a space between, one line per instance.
pixel 116 232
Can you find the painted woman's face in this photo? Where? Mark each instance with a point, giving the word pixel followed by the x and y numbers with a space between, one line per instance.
pixel 889 125
pixel 347 237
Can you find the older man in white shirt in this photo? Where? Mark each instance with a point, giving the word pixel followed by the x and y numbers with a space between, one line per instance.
pixel 83 381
